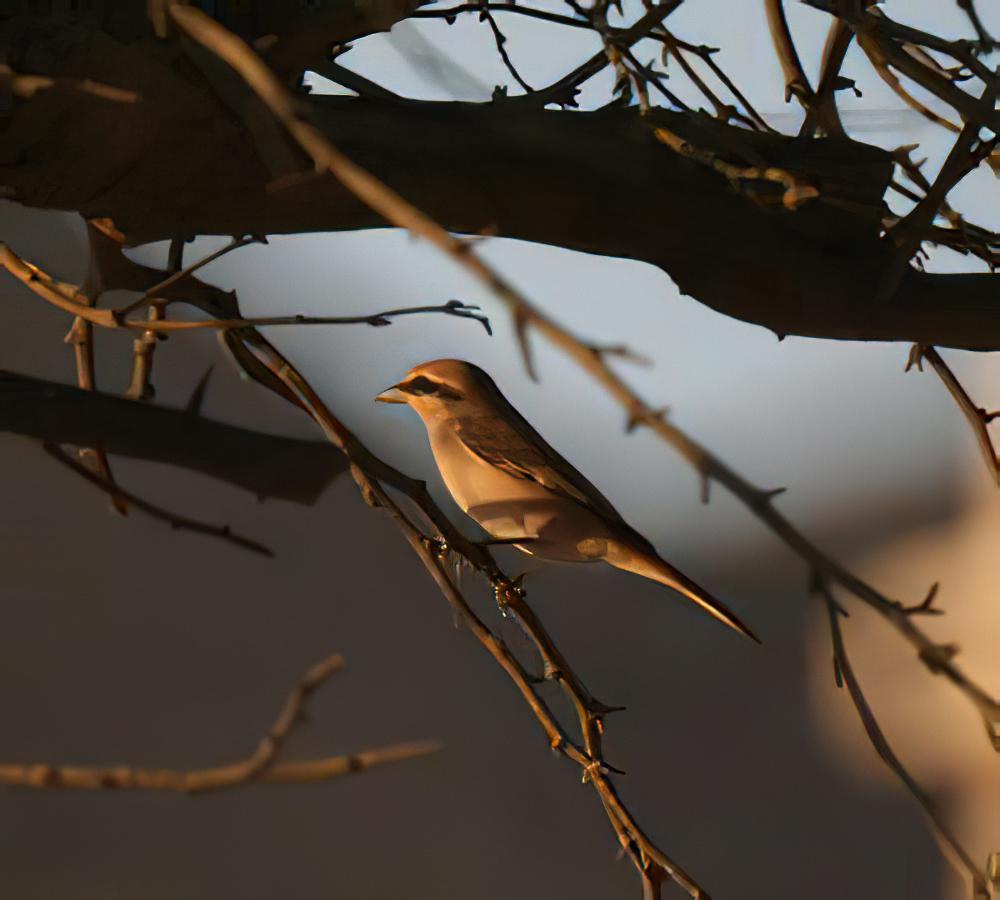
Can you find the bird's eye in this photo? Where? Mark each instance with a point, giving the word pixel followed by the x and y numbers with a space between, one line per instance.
pixel 422 386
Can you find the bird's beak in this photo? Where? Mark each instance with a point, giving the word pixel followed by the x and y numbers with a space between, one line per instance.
pixel 392 395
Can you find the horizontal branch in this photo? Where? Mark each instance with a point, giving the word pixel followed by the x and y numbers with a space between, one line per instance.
pixel 514 170
pixel 264 464
pixel 261 765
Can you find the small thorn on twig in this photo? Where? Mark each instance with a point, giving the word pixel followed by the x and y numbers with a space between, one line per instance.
pixel 915 359
pixel 602 709
pixel 938 657
pixel 198 394
pixel 622 352
pixel 765 497
pixel 926 606
pixel 643 417
pixel 706 484
pixel 521 321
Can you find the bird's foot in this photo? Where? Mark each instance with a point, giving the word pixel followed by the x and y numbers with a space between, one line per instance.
pixel 508 591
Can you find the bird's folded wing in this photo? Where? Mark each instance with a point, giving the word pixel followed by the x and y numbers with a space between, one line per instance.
pixel 509 443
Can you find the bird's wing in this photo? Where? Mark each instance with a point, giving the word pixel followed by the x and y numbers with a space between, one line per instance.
pixel 508 442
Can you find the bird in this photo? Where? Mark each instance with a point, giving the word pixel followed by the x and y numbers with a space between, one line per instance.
pixel 506 477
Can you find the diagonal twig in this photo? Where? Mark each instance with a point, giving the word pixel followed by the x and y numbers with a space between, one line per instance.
pixel 174 520
pixel 845 675
pixel 977 417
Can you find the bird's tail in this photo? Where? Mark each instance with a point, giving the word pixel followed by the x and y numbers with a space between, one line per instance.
pixel 649 565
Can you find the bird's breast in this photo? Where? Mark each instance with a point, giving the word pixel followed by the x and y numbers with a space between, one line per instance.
pixel 482 490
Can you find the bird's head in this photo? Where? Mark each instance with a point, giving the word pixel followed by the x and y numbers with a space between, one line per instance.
pixel 440 387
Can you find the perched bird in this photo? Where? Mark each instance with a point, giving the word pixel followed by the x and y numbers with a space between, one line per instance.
pixel 505 476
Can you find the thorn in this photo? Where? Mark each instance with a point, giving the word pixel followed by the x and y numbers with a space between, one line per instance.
pixel 916 358
pixel 936 658
pixel 926 606
pixel 601 709
pixel 521 331
pixel 641 417
pixel 198 394
pixel 765 497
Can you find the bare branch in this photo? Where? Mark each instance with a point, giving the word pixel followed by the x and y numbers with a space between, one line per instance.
pixel 174 520
pixel 67 297
pixel 977 417
pixel 259 766
pixel 796 82
pixel 956 853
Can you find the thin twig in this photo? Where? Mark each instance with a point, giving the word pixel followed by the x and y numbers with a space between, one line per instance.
pixel 67 298
pixel 796 82
pixel 796 192
pixel 259 766
pixel 977 417
pixel 501 40
pixel 174 520
pixel 25 87
pixel 157 289
pixel 955 852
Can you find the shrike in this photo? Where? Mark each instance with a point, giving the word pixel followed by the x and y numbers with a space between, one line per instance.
pixel 505 476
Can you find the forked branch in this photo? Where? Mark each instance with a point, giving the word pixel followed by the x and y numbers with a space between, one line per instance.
pixel 260 766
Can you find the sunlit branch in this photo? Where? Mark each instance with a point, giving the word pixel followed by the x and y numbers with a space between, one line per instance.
pixel 373 476
pixel 844 673
pixel 399 212
pixel 259 766
pixel 796 82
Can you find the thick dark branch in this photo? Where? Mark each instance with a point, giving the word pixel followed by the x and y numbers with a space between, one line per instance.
pixel 266 465
pixel 178 168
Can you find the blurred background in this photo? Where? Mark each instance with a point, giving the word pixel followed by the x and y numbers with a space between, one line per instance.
pixel 124 641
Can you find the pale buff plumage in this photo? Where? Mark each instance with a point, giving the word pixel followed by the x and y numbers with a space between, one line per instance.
pixel 505 476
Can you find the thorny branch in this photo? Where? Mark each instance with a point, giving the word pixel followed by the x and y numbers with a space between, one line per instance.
pixel 977 417
pixel 844 674
pixel 260 766
pixel 399 212
pixel 176 521
pixel 372 476
pixel 67 297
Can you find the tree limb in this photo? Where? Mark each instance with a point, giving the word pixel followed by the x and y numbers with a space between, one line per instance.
pixel 259 766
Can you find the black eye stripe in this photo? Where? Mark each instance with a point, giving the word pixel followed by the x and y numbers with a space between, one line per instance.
pixel 422 386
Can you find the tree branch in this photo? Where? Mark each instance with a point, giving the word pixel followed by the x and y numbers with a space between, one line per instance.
pixel 259 766
pixel 176 521
pixel 264 464
pixel 977 417
pixel 844 672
